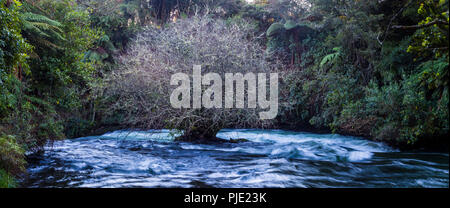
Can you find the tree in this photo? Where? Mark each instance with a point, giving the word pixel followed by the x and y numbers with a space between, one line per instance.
pixel 139 91
pixel 432 30
pixel 290 35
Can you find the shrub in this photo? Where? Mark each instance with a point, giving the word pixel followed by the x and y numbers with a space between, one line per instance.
pixel 12 158
pixel 6 180
pixel 141 87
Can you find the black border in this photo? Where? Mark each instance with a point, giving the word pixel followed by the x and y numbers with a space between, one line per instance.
pixel 276 197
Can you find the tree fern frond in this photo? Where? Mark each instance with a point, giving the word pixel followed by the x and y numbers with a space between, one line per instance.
pixel 47 43
pixel 42 29
pixel 50 30
pixel 45 26
pixel 331 57
pixel 32 17
pixel 30 28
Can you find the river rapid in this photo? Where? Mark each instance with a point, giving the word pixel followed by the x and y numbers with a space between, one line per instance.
pixel 271 158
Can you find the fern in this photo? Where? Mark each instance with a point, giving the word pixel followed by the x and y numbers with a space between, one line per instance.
pixel 42 30
pixel 32 17
pixel 331 57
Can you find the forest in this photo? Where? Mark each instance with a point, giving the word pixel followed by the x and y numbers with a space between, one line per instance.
pixel 365 68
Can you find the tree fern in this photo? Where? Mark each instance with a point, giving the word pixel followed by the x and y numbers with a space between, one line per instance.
pixel 42 30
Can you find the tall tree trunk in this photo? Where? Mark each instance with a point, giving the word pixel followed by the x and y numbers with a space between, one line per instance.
pixel 293 58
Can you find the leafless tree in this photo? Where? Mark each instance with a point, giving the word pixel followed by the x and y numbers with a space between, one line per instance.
pixel 141 86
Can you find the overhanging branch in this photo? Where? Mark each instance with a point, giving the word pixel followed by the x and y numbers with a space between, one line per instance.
pixel 437 21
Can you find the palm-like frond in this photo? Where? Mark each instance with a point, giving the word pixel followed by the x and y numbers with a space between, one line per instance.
pixel 331 57
pixel 42 30
pixel 32 17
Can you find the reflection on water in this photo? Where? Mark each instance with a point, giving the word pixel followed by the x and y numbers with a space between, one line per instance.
pixel 272 158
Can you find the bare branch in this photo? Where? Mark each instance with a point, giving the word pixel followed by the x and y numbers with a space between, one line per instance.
pixel 141 86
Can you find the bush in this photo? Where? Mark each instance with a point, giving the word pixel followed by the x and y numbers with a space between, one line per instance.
pixel 6 180
pixel 141 87
pixel 12 158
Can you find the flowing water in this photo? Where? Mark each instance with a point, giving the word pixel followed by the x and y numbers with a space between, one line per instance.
pixel 272 158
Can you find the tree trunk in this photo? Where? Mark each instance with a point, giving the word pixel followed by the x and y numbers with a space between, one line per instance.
pixel 200 135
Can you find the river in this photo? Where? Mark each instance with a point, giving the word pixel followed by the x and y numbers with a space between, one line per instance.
pixel 271 158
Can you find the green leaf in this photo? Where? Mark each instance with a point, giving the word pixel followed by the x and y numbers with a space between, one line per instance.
pixel 331 57
pixel 274 29
pixel 289 25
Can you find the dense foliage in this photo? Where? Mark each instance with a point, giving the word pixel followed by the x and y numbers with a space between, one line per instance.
pixel 44 75
pixel 377 69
